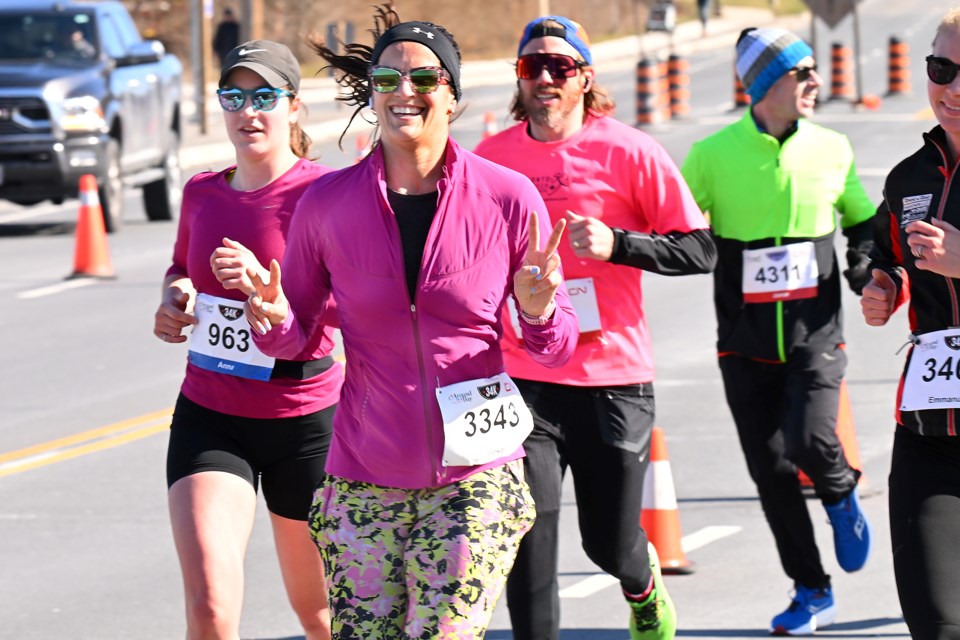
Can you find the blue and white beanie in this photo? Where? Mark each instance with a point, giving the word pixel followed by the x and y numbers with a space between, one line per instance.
pixel 766 55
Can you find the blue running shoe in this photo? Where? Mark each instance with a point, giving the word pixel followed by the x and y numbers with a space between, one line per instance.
pixel 810 610
pixel 851 532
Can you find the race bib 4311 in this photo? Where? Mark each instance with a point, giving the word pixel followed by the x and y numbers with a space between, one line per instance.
pixel 787 272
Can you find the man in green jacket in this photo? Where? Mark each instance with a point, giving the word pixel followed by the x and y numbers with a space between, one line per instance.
pixel 772 184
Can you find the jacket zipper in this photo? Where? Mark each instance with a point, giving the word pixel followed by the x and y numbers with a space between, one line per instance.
pixel 424 385
pixel 423 391
pixel 951 414
pixel 421 368
pixel 781 348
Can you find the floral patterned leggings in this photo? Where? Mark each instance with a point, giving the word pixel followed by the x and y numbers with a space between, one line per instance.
pixel 419 563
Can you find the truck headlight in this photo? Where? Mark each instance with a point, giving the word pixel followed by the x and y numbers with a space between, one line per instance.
pixel 82 114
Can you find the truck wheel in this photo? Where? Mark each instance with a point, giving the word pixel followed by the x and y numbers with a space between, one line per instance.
pixel 110 190
pixel 161 199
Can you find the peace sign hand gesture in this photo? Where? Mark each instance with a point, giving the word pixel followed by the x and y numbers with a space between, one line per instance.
pixel 535 283
pixel 266 307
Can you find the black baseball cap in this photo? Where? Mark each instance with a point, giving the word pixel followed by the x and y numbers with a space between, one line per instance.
pixel 272 61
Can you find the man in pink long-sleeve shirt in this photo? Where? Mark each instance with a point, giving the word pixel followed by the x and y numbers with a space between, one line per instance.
pixel 628 210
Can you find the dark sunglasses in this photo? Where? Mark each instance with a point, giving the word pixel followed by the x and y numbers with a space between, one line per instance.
pixel 263 99
pixel 531 65
pixel 802 74
pixel 422 79
pixel 941 70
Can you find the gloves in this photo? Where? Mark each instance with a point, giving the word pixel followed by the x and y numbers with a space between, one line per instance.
pixel 858 271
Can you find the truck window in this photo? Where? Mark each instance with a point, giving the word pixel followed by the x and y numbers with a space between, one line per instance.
pixel 59 36
pixel 123 28
pixel 112 42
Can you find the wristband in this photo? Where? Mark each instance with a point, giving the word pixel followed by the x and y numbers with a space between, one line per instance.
pixel 538 320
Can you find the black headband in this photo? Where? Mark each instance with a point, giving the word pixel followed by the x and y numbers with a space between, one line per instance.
pixel 429 36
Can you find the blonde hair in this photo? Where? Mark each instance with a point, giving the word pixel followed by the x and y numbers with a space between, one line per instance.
pixel 950 23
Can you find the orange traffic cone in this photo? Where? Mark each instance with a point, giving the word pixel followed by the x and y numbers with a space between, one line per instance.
pixel 489 124
pixel 848 439
pixel 660 517
pixel 91 257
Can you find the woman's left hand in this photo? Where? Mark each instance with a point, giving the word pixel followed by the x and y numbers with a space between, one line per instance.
pixel 935 247
pixel 535 283
pixel 230 264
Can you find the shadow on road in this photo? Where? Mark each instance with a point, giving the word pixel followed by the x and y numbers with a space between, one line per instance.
pixel 37 229
pixel 568 634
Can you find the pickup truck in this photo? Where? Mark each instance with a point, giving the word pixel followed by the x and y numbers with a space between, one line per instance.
pixel 81 92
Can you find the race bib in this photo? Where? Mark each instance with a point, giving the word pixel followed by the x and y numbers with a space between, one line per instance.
pixel 483 419
pixel 583 299
pixel 933 376
pixel 221 340
pixel 787 272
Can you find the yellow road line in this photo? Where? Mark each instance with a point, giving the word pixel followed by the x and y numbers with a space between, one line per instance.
pixel 93 447
pixel 924 114
pixel 93 434
pixel 92 441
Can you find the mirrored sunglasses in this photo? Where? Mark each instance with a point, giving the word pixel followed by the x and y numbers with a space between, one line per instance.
pixel 422 79
pixel 802 74
pixel 531 65
pixel 941 70
pixel 263 99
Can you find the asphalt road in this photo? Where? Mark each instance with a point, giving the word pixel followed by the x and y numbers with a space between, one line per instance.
pixel 85 544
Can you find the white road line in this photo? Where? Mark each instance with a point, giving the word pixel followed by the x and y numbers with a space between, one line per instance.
pixel 56 288
pixel 25 461
pixel 705 536
pixel 598 582
pixel 589 586
pixel 27 213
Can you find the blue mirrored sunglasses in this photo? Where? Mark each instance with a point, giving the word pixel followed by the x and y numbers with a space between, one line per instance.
pixel 263 99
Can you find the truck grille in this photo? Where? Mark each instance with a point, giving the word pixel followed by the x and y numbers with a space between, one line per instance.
pixel 23 115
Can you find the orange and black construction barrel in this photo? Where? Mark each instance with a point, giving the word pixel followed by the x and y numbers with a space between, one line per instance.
pixel 898 75
pixel 678 72
pixel 841 73
pixel 740 96
pixel 649 96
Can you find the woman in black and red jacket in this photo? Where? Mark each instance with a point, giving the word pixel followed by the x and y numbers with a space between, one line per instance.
pixel 916 259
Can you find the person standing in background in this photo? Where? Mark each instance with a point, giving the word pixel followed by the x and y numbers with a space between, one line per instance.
pixel 227 36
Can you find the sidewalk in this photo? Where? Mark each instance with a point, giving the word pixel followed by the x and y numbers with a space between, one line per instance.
pixel 327 119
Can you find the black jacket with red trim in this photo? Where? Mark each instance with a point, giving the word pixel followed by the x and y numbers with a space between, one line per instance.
pixel 921 187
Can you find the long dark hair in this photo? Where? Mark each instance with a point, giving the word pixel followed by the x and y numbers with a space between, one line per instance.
pixel 353 67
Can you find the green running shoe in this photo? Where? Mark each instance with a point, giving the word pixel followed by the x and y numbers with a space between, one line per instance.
pixel 655 618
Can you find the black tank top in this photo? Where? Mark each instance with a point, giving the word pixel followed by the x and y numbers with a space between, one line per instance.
pixel 414 213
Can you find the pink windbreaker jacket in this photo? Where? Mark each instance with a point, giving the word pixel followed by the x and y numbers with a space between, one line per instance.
pixel 344 241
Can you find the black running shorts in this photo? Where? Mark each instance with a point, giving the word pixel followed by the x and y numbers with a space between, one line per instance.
pixel 284 455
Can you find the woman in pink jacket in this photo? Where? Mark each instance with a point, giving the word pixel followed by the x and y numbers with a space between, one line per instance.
pixel 421 244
